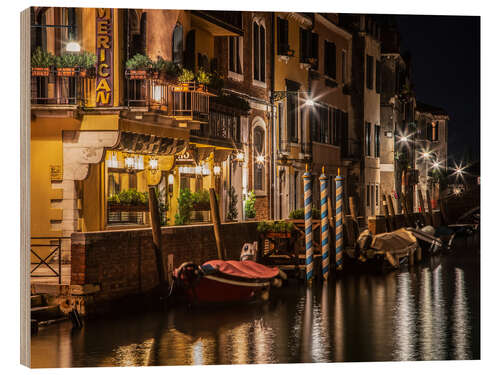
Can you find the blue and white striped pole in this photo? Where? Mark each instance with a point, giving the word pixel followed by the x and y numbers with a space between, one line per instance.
pixel 308 223
pixel 339 245
pixel 325 227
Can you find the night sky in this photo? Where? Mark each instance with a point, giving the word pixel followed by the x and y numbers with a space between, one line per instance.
pixel 446 63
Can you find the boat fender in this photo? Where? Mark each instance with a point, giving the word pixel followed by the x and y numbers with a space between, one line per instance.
pixel 277 282
pixel 264 295
pixel 283 275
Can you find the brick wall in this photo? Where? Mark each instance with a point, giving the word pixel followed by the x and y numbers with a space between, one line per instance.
pixel 123 262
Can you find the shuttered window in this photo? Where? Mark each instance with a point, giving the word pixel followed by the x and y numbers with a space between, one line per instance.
pixel 330 59
pixel 369 72
pixel 368 138
pixel 283 46
pixel 377 77
pixel 259 52
pixel 377 141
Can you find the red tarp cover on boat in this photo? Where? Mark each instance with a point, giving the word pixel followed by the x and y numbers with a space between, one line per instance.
pixel 247 269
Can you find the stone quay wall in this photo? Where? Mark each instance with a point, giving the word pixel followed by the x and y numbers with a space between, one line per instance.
pixel 115 264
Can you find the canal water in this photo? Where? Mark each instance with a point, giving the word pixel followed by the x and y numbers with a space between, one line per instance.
pixel 430 312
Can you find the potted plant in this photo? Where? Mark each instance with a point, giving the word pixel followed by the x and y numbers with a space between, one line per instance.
pixel 275 229
pixel 299 214
pixel 200 200
pixel 232 211
pixel 163 69
pixel 41 61
pixel 185 78
pixel 203 79
pixel 138 66
pixel 87 64
pixel 250 211
pixel 66 64
pixel 128 200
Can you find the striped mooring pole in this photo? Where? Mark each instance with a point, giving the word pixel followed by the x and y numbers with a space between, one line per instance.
pixel 308 223
pixel 339 245
pixel 325 226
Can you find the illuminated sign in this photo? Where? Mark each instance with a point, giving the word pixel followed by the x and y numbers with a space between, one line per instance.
pixel 104 48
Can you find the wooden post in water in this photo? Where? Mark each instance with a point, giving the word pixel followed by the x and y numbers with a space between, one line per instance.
pixel 214 208
pixel 429 207
pixel 325 227
pixel 154 214
pixel 405 209
pixel 386 214
pixel 443 211
pixel 308 224
pixel 392 213
pixel 409 209
pixel 422 206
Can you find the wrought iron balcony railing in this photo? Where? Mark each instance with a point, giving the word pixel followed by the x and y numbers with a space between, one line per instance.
pixel 183 101
pixel 223 126
pixel 52 86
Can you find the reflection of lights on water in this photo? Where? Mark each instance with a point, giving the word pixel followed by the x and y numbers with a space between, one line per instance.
pixel 307 326
pixel 439 316
pixel 133 354
pixel 197 353
pixel 426 316
pixel 404 320
pixel 460 318
pixel 338 329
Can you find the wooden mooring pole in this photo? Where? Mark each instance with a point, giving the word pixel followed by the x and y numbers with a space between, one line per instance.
pixel 352 208
pixel 386 214
pixel 214 208
pixel 429 207
pixel 154 214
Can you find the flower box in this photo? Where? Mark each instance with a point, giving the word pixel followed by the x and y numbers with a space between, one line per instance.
pixel 40 72
pixel 278 234
pixel 136 74
pixel 66 72
pixel 113 207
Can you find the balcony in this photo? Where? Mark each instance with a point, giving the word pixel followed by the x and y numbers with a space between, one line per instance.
pixel 223 129
pixel 60 88
pixel 185 102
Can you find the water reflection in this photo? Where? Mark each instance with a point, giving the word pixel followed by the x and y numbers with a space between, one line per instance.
pixel 421 314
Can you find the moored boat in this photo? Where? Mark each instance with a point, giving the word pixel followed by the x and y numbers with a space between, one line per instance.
pixel 219 281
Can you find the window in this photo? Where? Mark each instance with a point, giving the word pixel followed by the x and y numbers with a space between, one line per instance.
pixel 283 46
pixel 367 195
pixel 305 45
pixel 344 67
pixel 259 52
pixel 376 195
pixel 258 166
pixel 235 52
pixel 369 72
pixel 344 134
pixel 368 139
pixel 435 131
pixel 314 51
pixel 292 117
pixel 177 45
pixel 281 127
pixel 377 141
pixel 330 59
pixel 377 77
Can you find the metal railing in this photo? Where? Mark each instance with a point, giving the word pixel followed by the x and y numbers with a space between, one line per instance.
pixel 188 101
pixel 56 89
pixel 221 125
pixel 53 244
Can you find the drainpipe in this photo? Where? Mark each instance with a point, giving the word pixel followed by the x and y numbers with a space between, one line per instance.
pixel 272 200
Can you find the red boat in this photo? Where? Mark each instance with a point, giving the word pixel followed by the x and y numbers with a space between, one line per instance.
pixel 219 281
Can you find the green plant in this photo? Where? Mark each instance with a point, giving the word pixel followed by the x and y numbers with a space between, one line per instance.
pixel 185 75
pixel 185 206
pixel 67 60
pixel 232 211
pixel 131 197
pixel 162 65
pixel 250 211
pixel 203 77
pixel 299 214
pixel 87 60
pixel 216 81
pixel 42 59
pixel 139 62
pixel 201 200
pixel 113 199
pixel 280 226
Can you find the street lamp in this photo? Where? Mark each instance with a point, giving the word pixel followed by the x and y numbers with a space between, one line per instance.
pixel 73 47
pixel 310 103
